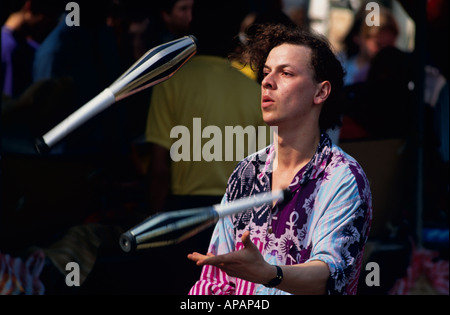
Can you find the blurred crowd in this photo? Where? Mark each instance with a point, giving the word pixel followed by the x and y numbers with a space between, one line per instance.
pixel 72 203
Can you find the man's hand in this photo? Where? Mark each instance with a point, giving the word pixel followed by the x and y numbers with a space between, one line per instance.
pixel 247 263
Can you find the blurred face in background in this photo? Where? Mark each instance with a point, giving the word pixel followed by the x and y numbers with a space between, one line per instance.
pixel 179 19
pixel 374 38
pixel 373 43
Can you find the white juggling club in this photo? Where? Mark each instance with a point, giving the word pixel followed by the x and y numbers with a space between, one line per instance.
pixel 155 66
pixel 172 227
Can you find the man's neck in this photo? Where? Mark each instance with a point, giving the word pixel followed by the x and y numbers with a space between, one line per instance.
pixel 295 148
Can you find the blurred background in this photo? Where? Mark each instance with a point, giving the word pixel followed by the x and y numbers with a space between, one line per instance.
pixel 72 204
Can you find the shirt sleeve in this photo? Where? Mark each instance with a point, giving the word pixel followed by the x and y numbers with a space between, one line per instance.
pixel 214 281
pixel 159 119
pixel 340 235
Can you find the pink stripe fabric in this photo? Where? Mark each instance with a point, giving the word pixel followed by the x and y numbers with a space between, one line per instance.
pixel 213 281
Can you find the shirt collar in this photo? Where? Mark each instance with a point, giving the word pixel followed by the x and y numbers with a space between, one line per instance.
pixel 310 171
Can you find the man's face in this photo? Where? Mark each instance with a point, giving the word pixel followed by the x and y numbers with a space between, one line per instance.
pixel 179 19
pixel 288 89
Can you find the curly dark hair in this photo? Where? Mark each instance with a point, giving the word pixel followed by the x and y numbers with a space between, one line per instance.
pixel 324 63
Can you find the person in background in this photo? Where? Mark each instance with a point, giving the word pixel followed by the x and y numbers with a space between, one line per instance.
pixel 362 44
pixel 206 87
pixel 160 23
pixel 364 41
pixel 22 33
pixel 88 54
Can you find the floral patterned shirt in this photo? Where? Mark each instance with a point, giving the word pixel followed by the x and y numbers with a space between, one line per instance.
pixel 327 219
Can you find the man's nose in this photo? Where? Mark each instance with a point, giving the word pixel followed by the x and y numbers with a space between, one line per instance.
pixel 268 82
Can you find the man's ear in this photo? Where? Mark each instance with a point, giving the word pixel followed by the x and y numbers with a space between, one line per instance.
pixel 322 92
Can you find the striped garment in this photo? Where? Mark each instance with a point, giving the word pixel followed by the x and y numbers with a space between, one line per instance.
pixel 327 219
pixel 21 277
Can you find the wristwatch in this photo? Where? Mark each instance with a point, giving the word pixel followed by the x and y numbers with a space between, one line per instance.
pixel 277 280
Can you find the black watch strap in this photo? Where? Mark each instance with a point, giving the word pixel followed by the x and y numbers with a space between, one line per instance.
pixel 277 280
